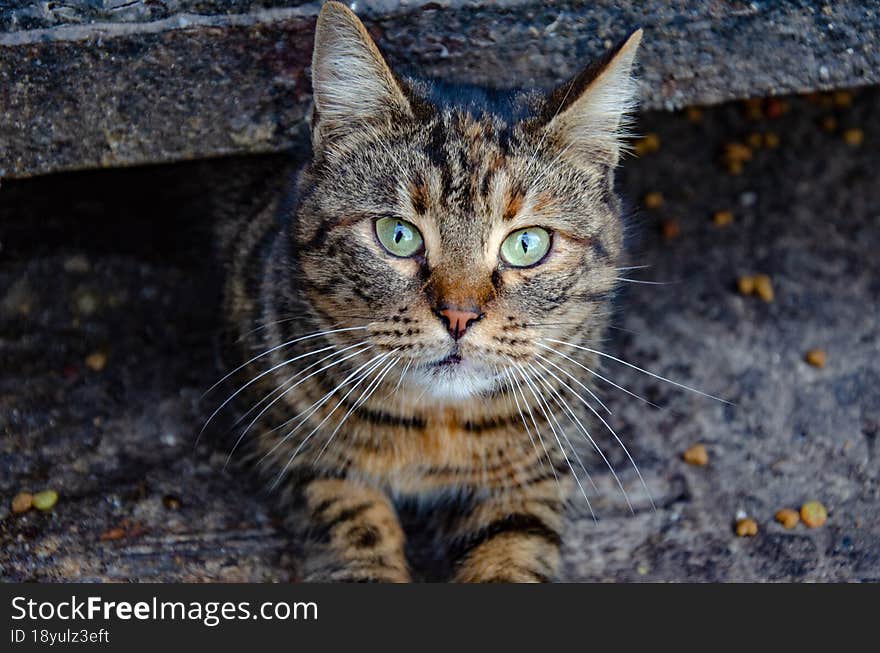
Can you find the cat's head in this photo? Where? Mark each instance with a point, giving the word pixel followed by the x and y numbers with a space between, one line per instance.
pixel 461 237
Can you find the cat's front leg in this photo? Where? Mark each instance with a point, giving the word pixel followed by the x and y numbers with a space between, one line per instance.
pixel 513 538
pixel 352 534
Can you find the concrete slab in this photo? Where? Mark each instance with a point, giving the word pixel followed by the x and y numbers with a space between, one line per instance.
pixel 96 85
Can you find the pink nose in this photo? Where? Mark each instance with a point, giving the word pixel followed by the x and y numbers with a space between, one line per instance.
pixel 457 321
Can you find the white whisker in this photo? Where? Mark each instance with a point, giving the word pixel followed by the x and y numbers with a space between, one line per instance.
pixel 400 380
pixel 639 369
pixel 310 336
pixel 607 425
pixel 537 430
pixel 597 375
pixel 575 379
pixel 266 325
pixel 522 416
pixel 365 395
pixel 301 381
pixel 573 416
pixel 304 415
pixel 571 446
pixel 254 380
pixel 647 283
pixel 336 352
pixel 541 403
pixel 361 378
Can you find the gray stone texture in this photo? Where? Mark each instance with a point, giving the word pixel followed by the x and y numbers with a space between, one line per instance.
pixel 116 83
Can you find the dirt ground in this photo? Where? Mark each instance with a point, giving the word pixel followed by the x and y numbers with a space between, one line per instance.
pixel 119 263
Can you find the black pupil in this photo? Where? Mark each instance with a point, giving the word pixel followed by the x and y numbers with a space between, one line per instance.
pixel 524 241
pixel 399 233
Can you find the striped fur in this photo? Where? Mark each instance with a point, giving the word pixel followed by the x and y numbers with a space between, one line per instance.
pixel 356 419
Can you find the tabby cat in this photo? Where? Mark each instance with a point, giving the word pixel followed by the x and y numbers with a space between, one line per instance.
pixel 423 302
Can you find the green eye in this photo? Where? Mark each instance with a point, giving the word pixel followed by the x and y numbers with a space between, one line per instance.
pixel 525 247
pixel 399 237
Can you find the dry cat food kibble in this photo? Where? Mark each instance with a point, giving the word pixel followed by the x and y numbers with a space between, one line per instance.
pixel 774 108
pixel 45 500
pixel 745 285
pixel 813 514
pixel 746 527
pixel 112 534
pixel 815 357
pixel 734 156
pixel 753 109
pixel 171 502
pixel 125 529
pixel 722 218
pixel 842 99
pixel 693 114
pixel 757 284
pixel 737 152
pixel 853 136
pixel 87 304
pixel 646 144
pixel 756 141
pixel 763 287
pixel 653 200
pixel 670 229
pixel 829 123
pixel 734 168
pixel 696 455
pixel 22 502
pixel 787 517
pixel 96 361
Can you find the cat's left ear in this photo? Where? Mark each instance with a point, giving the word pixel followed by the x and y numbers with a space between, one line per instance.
pixel 352 84
pixel 587 116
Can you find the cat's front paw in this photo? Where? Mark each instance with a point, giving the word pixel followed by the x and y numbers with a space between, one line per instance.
pixel 512 558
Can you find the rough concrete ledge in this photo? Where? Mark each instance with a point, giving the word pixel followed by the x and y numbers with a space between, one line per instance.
pixel 122 83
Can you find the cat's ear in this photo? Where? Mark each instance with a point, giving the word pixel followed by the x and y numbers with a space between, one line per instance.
pixel 352 84
pixel 587 116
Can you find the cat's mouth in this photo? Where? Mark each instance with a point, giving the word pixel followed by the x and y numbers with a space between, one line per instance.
pixel 456 376
pixel 451 360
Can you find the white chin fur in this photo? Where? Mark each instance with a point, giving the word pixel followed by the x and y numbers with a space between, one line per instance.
pixel 452 382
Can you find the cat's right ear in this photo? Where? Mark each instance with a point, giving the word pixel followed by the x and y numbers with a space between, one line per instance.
pixel 352 84
pixel 586 118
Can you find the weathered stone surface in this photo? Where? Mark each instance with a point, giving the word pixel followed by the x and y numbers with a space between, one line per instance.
pixel 120 262
pixel 113 83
